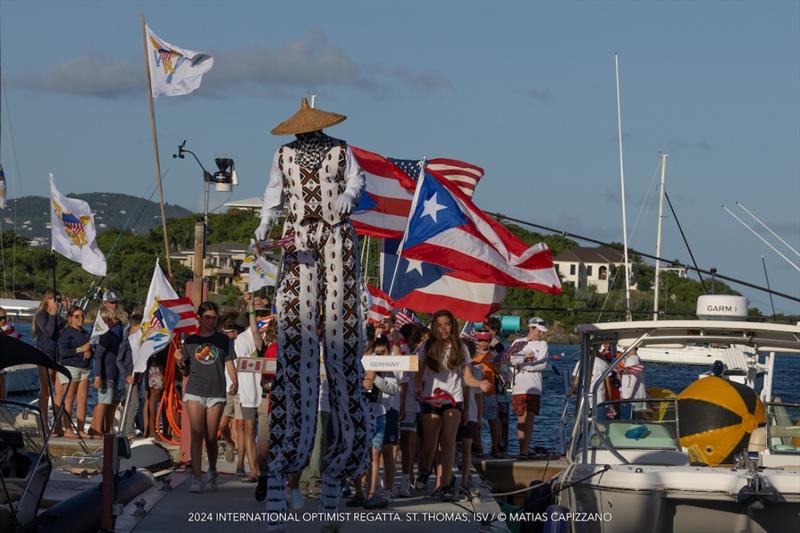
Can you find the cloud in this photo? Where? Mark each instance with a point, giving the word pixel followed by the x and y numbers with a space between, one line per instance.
pixel 308 63
pixel 541 95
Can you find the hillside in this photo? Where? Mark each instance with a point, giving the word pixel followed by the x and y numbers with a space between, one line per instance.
pixel 111 211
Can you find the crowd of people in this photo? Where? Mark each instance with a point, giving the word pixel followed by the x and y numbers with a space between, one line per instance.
pixel 429 421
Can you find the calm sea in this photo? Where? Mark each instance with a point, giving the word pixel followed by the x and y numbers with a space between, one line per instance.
pixel 547 428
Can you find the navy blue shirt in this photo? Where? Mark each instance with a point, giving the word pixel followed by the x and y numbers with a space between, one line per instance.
pixel 48 328
pixel 68 341
pixel 105 355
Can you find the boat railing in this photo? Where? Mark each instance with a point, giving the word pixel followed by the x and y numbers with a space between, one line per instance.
pixel 783 427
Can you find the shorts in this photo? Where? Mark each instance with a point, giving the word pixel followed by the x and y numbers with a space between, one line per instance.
pixel 108 393
pixel 380 427
pixel 466 432
pixel 205 401
pixel 263 421
pixel 490 407
pixel 410 422
pixel 78 374
pixel 155 377
pixel 246 413
pixel 392 429
pixel 428 409
pixel 525 403
pixel 231 403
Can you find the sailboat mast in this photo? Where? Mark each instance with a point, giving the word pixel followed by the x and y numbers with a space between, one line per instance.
pixel 622 193
pixel 658 237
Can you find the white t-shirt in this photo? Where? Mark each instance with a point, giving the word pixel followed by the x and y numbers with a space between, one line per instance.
pixel 598 368
pixel 528 379
pixel 472 408
pixel 632 383
pixel 449 381
pixel 249 382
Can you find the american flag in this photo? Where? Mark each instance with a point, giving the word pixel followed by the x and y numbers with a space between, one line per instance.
pixel 468 331
pixel 464 175
pixel 380 305
pixel 632 369
pixel 72 223
pixel 271 245
pixel 403 317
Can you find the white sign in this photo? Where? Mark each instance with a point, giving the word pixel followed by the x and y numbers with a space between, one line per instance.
pixel 388 363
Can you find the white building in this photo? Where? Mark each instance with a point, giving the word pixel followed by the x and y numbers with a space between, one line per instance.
pixel 583 267
pixel 248 204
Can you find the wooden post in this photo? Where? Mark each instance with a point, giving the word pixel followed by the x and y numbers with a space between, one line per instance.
pixel 197 281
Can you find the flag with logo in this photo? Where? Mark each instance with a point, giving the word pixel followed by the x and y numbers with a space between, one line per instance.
pixel 73 231
pixel 155 333
pixel 262 274
pixel 174 71
pixel 98 329
pixel 179 316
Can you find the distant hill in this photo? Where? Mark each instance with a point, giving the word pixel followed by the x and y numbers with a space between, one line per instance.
pixel 111 211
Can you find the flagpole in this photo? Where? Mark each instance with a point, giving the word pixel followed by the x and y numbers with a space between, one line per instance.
pixel 155 146
pixel 408 223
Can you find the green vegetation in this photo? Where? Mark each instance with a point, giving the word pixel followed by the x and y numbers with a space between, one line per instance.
pixel 131 256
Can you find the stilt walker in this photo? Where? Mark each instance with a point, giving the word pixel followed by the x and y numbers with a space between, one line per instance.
pixel 318 300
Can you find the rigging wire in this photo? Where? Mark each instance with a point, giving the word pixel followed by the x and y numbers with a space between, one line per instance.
pixel 21 193
pixel 500 216
pixel 694 262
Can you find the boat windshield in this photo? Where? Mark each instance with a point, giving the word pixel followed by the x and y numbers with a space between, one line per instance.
pixel 783 427
pixel 20 427
pixel 641 424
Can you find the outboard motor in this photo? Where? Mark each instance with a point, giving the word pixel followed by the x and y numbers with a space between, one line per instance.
pixel 538 498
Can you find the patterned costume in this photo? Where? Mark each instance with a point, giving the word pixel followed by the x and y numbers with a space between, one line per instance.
pixel 318 300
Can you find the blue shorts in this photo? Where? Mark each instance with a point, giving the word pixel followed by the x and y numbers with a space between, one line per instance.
pixel 380 428
pixel 490 407
pixel 108 393
pixel 392 430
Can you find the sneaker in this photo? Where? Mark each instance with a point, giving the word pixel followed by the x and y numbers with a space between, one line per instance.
pixel 197 485
pixel 377 501
pixel 462 494
pixel 296 501
pixel 421 483
pixel 230 450
pixel 404 490
pixel 211 480
pixel 355 501
pixel 446 494
pixel 261 488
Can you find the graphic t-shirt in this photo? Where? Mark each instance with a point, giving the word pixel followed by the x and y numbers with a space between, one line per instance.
pixel 206 357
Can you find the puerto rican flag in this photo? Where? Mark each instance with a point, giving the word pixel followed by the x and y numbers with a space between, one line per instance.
pixel 383 207
pixel 380 305
pixel 447 229
pixel 427 288
pixel 179 315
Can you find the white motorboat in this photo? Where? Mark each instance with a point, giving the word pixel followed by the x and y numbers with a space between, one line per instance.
pixel 633 475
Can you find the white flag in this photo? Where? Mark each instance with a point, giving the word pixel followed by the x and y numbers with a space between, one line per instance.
pixel 73 231
pixel 174 71
pixel 262 274
pixel 155 334
pixel 98 329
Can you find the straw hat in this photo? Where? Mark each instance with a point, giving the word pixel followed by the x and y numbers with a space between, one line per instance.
pixel 307 119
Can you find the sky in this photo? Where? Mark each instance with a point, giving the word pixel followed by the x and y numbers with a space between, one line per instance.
pixel 525 90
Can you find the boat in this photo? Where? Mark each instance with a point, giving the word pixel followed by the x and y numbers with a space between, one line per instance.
pixel 640 474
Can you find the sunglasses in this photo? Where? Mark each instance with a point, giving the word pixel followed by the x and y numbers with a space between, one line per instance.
pixel 210 316
pixel 77 315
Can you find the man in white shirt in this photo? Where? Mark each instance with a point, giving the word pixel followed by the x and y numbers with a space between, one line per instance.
pixel 632 385
pixel 529 358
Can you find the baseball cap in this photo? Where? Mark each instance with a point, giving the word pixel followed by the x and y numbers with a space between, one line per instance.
pixel 538 323
pixel 110 296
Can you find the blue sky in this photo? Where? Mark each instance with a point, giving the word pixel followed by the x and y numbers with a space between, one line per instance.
pixel 525 90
